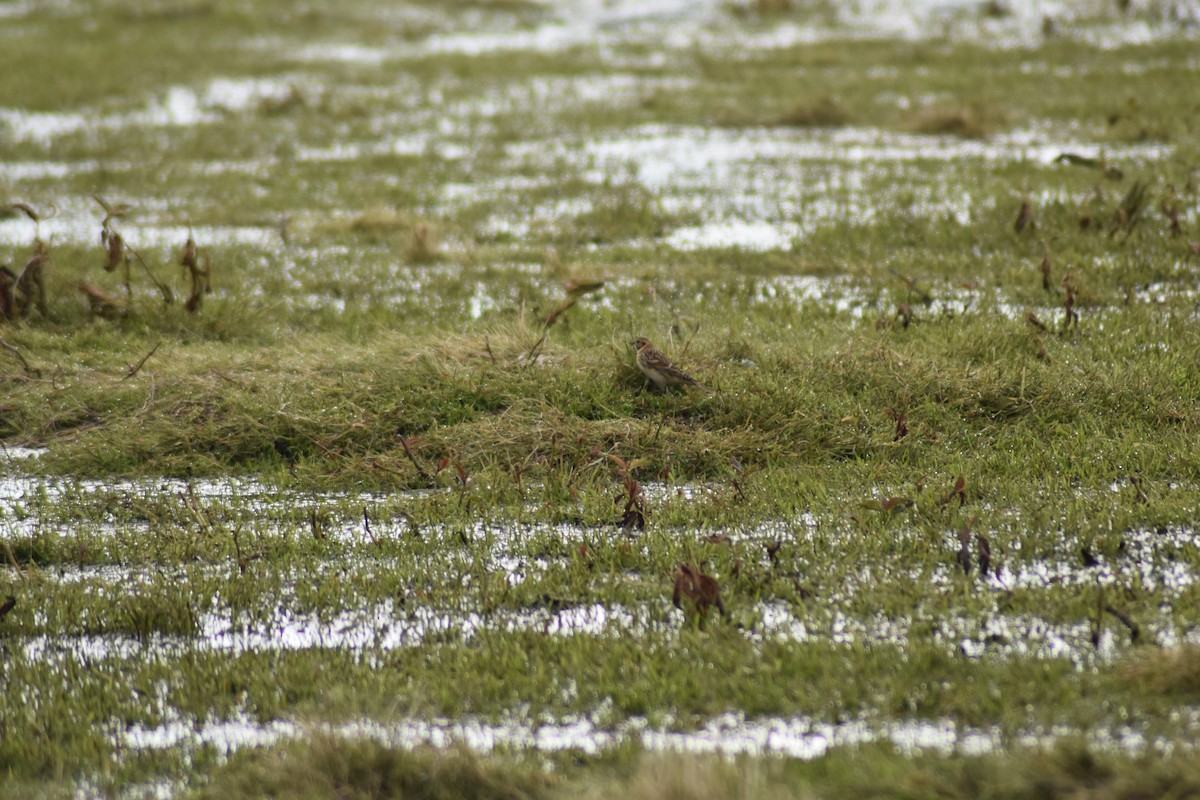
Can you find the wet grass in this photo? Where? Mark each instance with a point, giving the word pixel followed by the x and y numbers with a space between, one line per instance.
pixel 367 769
pixel 367 485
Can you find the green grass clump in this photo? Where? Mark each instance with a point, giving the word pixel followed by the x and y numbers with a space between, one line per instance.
pixel 399 467
pixel 327 766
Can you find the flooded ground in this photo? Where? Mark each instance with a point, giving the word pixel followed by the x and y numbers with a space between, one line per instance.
pixel 395 477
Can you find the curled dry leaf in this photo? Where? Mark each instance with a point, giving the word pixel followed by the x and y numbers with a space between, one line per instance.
pixel 896 503
pixel 114 248
pixel 201 276
pixel 958 491
pixel 582 286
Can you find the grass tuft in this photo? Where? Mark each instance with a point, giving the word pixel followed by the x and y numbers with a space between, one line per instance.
pixel 328 766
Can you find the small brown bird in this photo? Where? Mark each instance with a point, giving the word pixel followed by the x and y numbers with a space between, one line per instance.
pixel 658 368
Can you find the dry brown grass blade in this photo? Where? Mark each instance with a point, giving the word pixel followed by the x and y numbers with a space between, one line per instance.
pixel 111 210
pixel 901 423
pixel 16 351
pixel 167 295
pixel 33 215
pixel 553 316
pixel 406 444
pixel 138 366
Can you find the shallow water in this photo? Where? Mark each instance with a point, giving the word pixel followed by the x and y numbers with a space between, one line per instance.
pixel 727 734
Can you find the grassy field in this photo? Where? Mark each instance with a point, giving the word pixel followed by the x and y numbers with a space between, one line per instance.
pixel 361 494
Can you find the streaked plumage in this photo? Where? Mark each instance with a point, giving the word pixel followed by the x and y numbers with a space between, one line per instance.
pixel 658 368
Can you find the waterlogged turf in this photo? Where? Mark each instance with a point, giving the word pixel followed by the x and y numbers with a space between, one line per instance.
pixel 364 495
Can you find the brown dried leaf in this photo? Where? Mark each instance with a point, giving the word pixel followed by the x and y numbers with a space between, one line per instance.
pixel 703 590
pixel 101 303
pixel 582 286
pixel 115 249
pixel 958 491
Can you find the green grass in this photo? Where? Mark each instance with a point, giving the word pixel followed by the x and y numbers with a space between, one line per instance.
pixel 366 484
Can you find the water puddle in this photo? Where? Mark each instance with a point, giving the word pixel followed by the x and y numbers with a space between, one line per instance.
pixel 177 106
pixel 729 734
pixel 617 25
pixel 77 224
pixel 521 555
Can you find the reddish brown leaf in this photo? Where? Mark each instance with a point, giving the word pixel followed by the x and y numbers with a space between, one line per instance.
pixel 702 590
pixel 101 303
pixel 896 503
pixel 958 491
pixel 114 249
pixel 901 424
pixel 582 286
